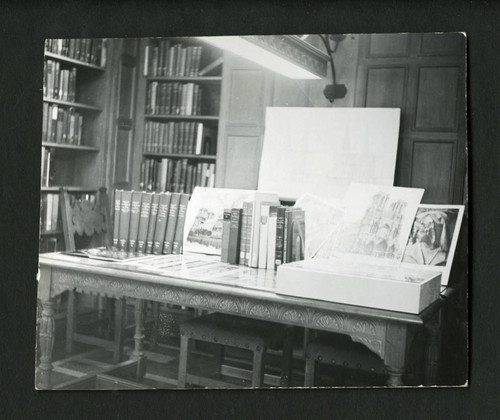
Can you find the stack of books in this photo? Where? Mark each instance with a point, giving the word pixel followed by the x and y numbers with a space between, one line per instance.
pixel 58 83
pixel 149 223
pixel 172 60
pixel 90 51
pixel 263 234
pixel 173 98
pixel 175 175
pixel 50 219
pixel 185 137
pixel 61 125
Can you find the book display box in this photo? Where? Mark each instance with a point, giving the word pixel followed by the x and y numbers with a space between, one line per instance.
pixel 382 287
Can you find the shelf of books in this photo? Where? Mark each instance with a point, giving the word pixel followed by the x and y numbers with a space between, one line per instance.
pixel 74 86
pixel 182 83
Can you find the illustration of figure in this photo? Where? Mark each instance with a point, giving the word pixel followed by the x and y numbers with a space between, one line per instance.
pixel 429 242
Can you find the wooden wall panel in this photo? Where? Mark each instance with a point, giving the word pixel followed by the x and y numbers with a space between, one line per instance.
pixel 246 100
pixel 437 99
pixel 389 45
pixel 386 87
pixel 243 156
pixel 442 44
pixel 432 169
pixel 247 90
pixel 431 148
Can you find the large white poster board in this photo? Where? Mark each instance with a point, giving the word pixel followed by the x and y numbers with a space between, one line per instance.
pixel 322 150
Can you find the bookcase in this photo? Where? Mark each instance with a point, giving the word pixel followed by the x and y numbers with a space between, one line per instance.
pixel 178 107
pixel 76 84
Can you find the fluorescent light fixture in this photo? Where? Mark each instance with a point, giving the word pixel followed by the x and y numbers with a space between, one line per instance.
pixel 285 54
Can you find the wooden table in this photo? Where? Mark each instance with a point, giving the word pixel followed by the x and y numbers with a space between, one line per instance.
pixel 211 285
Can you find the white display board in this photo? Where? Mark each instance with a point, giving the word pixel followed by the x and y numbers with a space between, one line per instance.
pixel 322 150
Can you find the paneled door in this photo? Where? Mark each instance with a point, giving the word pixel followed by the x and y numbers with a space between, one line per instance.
pixel 424 75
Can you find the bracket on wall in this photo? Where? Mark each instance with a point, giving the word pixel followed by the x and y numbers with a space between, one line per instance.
pixel 334 90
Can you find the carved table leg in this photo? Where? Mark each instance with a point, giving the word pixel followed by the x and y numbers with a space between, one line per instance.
pixel 137 353
pixel 46 340
pixel 398 336
pixel 432 352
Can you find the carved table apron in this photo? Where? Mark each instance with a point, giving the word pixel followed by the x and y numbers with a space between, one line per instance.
pixel 386 333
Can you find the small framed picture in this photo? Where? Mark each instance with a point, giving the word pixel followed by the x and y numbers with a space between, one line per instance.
pixel 433 238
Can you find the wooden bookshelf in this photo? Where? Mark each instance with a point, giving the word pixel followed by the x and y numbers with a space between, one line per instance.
pixel 73 61
pixel 163 107
pixel 80 106
pixel 77 96
pixel 211 158
pixel 71 147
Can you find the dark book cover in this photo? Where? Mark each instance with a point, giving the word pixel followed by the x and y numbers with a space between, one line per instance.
pixel 124 220
pixel 226 225
pixel 178 243
pixel 135 212
pixel 152 223
pixel 142 233
pixel 168 243
pixel 280 232
pixel 233 254
pixel 161 222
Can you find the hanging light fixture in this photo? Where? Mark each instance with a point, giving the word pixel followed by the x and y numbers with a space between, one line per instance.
pixel 334 90
pixel 285 54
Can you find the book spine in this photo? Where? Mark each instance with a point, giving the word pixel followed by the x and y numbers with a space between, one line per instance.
pixel 168 243
pixel 152 223
pixel 287 222
pixel 226 224
pixel 135 212
pixel 244 233
pixel 271 237
pixel 297 243
pixel 177 246
pixel 144 222
pixel 124 220
pixel 234 236
pixel 264 219
pixel 280 226
pixel 161 222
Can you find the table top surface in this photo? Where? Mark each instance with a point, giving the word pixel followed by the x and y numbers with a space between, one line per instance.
pixel 207 273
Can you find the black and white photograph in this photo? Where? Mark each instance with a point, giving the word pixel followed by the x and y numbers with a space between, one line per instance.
pixel 187 156
pixel 249 209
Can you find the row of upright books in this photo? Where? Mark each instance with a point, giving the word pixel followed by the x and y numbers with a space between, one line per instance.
pixel 173 98
pixel 164 58
pixel 59 83
pixel 149 223
pixel 61 125
pixel 273 236
pixel 185 137
pixel 87 50
pixel 175 175
pixel 47 169
pixel 50 219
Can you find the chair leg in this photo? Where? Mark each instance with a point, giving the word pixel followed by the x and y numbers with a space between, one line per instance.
pixel 119 325
pixel 258 368
pixel 309 372
pixel 155 312
pixel 101 314
pixel 70 321
pixel 287 361
pixel 184 353
pixel 218 358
